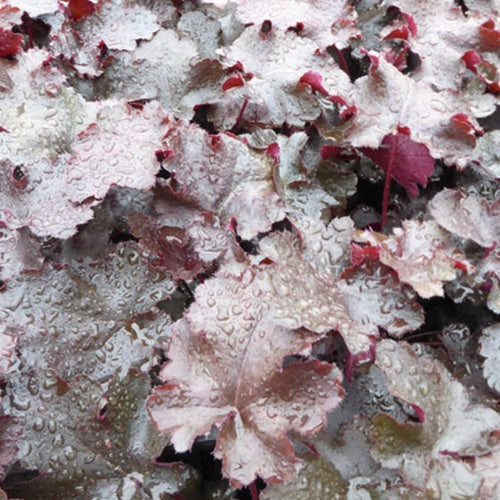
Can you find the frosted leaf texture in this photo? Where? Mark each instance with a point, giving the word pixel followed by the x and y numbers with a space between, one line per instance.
pixel 222 175
pixel 467 216
pixel 386 99
pixel 325 22
pixel 226 370
pixel 448 424
pixel 420 254
pixel 214 216
pixel 274 96
pixel 442 44
pixel 88 308
pixel 114 25
pixel 490 349
pixel 105 451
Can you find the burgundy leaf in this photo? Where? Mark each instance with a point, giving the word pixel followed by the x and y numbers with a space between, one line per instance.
pixel 409 162
pixel 10 43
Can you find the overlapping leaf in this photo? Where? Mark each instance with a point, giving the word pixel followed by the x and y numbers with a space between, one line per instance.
pixel 327 23
pixel 277 61
pixel 226 370
pixel 386 99
pixel 420 254
pixel 114 26
pixel 220 174
pixel 80 450
pixel 441 36
pixel 91 309
pixel 449 427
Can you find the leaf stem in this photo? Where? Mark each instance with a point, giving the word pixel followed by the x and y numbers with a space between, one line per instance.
pixel 254 492
pixel 388 176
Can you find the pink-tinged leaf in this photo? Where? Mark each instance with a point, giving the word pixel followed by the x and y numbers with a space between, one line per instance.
pixel 388 101
pixel 327 23
pixel 488 466
pixel 373 295
pixel 227 178
pixel 170 248
pixel 467 216
pixel 119 149
pixel 10 432
pixel 307 191
pixel 276 96
pixel 302 282
pixel 19 252
pixel 10 43
pixel 42 205
pixel 41 116
pixel 233 81
pixel 164 68
pixel 449 424
pixel 108 319
pixel 420 254
pixel 115 25
pixel 490 350
pixel 314 80
pixel 485 70
pixel 443 34
pixel 412 163
pixel 226 370
pixel 489 35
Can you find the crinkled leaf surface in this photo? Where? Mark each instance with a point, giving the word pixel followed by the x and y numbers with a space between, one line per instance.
pixel 88 308
pixel 222 175
pixel 53 196
pixel 420 254
pixel 374 295
pixel 490 349
pixel 274 95
pixel 386 99
pixel 39 201
pixel 302 281
pixel 467 216
pixel 159 69
pixel 39 114
pixel 325 22
pixel 114 23
pixel 226 370
pixel 119 149
pixel 443 34
pixel 449 427
pixel 80 451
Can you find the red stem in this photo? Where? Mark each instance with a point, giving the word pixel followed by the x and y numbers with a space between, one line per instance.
pixel 237 125
pixel 254 492
pixel 388 176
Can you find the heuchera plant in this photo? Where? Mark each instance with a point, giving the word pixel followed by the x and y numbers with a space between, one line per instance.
pixel 249 249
